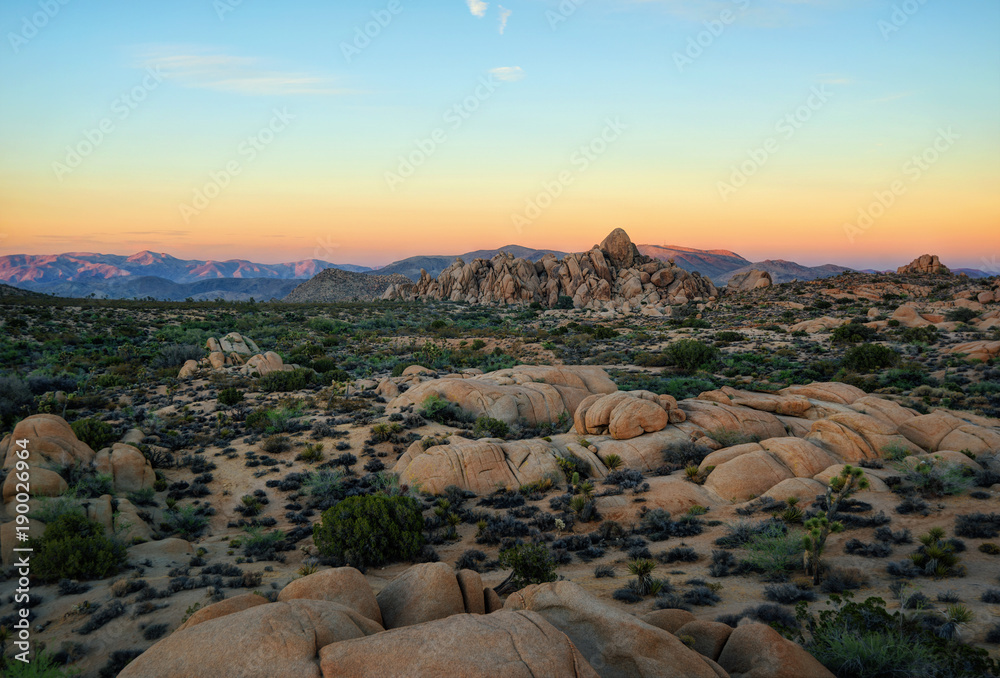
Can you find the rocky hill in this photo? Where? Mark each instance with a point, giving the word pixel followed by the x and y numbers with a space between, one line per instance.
pixel 435 264
pixel 927 264
pixel 161 289
pixel 335 285
pixel 782 271
pixel 710 263
pixel 613 276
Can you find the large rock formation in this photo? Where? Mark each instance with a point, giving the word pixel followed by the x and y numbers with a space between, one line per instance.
pixel 926 264
pixel 612 275
pixel 751 280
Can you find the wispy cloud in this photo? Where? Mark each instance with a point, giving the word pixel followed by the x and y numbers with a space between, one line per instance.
pixel 205 69
pixel 477 7
pixel 508 73
pixel 834 79
pixel 504 15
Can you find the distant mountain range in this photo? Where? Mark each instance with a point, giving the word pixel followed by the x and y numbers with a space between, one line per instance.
pixel 33 271
pixel 162 276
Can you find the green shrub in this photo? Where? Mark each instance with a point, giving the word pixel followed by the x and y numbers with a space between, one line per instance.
pixel 531 564
pixel 282 382
pixel 961 315
pixel 564 302
pixel 73 547
pixel 95 433
pixel 42 665
pixel 487 427
pixel 187 522
pixel 729 336
pixel 443 411
pixel 230 396
pixel 920 335
pixel 691 355
pixel 371 530
pixel 774 550
pixel 863 640
pixel 870 357
pixel 853 333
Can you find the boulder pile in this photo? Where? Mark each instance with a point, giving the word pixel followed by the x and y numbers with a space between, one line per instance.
pixel 611 276
pixel 750 280
pixel 236 353
pixel 432 621
pixel 54 445
pixel 926 264
pixel 803 434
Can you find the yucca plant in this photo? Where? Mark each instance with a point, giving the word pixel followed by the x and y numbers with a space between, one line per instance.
pixel 642 570
pixel 936 556
pixel 692 473
pixel 613 462
pixel 819 528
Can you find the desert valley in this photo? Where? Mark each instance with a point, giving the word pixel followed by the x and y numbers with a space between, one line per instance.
pixel 597 464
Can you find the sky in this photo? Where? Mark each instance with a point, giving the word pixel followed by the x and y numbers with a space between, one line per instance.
pixel 856 132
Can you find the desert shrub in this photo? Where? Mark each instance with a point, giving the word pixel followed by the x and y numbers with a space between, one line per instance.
pixel 701 596
pixel 680 554
pixel 768 613
pixel 283 382
pixel 991 596
pixel 230 396
pixel 530 564
pixel 774 550
pixel 95 433
pixel 960 315
pixel 604 571
pixel 15 399
pixel 443 411
pixel 864 640
pixel 370 530
pixel 488 427
pixel 176 355
pixel 656 524
pixel 42 665
pixel 472 559
pixel 787 594
pixel 670 601
pixel 978 525
pixel 936 478
pixel 885 534
pixel 73 547
pixel 276 444
pixel 118 660
pixel 188 521
pixel 728 438
pixel 853 333
pixel 691 355
pixel 856 547
pixel 628 595
pixel 870 357
pixel 102 616
pixel 729 336
pixel 839 579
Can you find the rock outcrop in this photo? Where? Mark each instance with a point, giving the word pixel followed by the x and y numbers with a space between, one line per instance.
pixel 237 354
pixel 537 394
pixel 926 264
pixel 612 275
pixel 750 280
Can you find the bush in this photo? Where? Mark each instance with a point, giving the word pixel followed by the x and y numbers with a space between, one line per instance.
pixel 293 380
pixel 978 525
pixel 371 530
pixel 443 411
pixel 97 434
pixel 853 333
pixel 488 427
pixel 787 594
pixel 960 315
pixel 870 357
pixel 42 665
pixel 178 354
pixel 15 399
pixel 230 396
pixel 73 547
pixel 691 355
pixel 531 564
pixel 864 640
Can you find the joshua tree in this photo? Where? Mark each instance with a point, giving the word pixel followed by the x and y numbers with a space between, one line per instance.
pixel 820 527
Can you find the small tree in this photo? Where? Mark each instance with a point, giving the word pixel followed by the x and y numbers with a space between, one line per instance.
pixel 819 528
pixel 371 530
